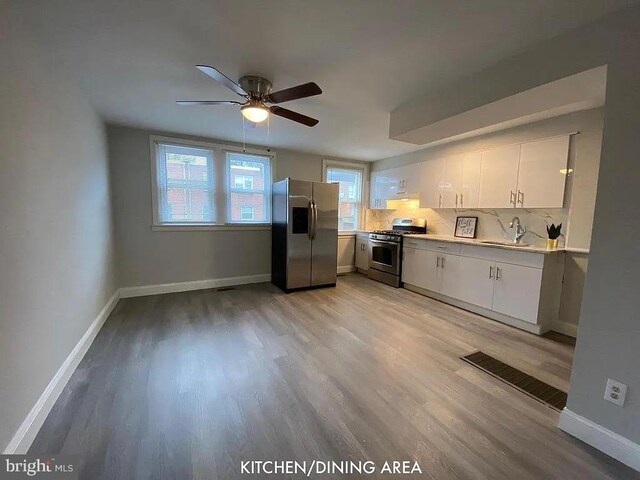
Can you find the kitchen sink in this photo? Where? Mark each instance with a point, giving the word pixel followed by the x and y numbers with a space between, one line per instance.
pixel 505 244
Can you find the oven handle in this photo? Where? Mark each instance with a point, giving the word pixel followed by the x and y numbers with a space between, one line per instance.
pixel 382 242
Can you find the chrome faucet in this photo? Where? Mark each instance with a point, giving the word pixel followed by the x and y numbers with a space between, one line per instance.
pixel 520 230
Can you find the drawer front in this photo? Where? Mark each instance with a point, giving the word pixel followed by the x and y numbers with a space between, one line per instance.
pixel 416 243
pixel 527 259
pixel 443 247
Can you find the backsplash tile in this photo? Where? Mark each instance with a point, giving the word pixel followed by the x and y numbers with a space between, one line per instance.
pixel 493 224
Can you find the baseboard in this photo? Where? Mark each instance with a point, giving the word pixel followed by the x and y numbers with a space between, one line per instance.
pixel 566 328
pixel 29 428
pixel 346 269
pixel 141 291
pixel 605 440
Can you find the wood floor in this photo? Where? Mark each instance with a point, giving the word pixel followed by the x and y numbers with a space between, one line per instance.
pixel 188 385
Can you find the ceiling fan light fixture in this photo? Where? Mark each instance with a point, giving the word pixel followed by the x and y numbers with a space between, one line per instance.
pixel 255 113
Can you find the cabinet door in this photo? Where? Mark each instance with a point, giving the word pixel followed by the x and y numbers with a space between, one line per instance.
pixel 374 190
pixel 434 271
pixel 516 291
pixel 362 253
pixel 411 176
pixel 452 183
pixel 499 177
pixel 542 174
pixel 414 267
pixel 383 183
pixel 472 280
pixel 431 179
pixel 470 182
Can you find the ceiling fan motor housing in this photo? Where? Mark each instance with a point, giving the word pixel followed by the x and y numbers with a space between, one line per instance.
pixel 256 87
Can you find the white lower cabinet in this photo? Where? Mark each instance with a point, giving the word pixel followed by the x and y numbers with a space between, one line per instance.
pixel 502 284
pixel 474 281
pixel 517 291
pixel 362 251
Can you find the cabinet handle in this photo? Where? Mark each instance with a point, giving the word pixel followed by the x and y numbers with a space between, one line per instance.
pixel 439 200
pixel 498 273
pixel 441 262
pixel 456 200
pixel 512 199
pixel 461 200
pixel 437 262
pixel 490 272
pixel 521 198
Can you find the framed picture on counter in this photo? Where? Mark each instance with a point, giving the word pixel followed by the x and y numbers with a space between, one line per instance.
pixel 466 227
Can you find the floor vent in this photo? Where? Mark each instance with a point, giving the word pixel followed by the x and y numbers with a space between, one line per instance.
pixel 224 289
pixel 527 384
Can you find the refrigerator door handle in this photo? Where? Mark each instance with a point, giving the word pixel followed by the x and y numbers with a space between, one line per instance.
pixel 314 210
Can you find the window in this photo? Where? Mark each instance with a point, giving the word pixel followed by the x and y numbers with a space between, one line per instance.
pixel 350 177
pixel 243 182
pixel 246 213
pixel 195 181
pixel 185 184
pixel 249 188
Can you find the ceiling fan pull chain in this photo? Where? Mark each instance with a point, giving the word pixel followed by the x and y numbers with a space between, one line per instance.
pixel 244 149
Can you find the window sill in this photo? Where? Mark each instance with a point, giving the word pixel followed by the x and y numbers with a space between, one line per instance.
pixel 206 227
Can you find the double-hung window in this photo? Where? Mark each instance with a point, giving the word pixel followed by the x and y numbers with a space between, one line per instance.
pixel 249 198
pixel 186 186
pixel 350 177
pixel 197 183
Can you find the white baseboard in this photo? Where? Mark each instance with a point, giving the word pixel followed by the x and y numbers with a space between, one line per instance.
pixel 141 291
pixel 346 269
pixel 605 440
pixel 29 428
pixel 566 328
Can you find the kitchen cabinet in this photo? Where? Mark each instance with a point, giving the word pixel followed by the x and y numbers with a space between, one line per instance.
pixel 431 179
pixel 415 266
pixel 542 173
pixel 527 175
pixel 362 251
pixel 514 292
pixel 499 177
pixel 474 281
pixel 461 181
pixel 470 180
pixel 506 285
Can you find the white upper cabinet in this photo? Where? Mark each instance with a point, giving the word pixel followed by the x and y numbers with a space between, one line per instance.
pixel 499 177
pixel 528 175
pixel 542 174
pixel 470 183
pixel 431 180
pixel 451 186
pixel 411 180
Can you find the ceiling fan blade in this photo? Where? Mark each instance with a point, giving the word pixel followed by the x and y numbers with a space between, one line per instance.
pixel 301 91
pixel 295 116
pixel 222 78
pixel 208 102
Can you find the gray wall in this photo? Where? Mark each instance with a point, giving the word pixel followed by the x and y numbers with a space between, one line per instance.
pixel 56 256
pixel 147 257
pixel 609 333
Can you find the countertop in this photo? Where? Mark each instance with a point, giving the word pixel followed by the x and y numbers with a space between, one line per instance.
pixel 479 243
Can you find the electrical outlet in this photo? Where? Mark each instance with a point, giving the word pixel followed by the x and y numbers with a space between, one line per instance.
pixel 615 392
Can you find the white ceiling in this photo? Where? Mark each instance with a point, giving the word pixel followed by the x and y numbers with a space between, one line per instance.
pixel 135 58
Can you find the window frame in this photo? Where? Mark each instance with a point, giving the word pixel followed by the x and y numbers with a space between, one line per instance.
pixel 221 190
pixel 363 168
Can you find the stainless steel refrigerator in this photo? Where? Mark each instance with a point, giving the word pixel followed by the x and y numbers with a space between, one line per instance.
pixel 304 245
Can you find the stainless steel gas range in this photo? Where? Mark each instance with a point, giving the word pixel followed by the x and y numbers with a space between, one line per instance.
pixel 385 249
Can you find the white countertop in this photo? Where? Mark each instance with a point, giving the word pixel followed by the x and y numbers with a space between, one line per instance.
pixel 479 243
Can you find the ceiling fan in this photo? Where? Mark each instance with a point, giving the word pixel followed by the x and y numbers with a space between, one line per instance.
pixel 257 93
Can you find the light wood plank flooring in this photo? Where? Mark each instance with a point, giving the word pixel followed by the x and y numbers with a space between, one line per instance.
pixel 188 385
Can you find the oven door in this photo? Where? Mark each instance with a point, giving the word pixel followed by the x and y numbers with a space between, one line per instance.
pixel 384 256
